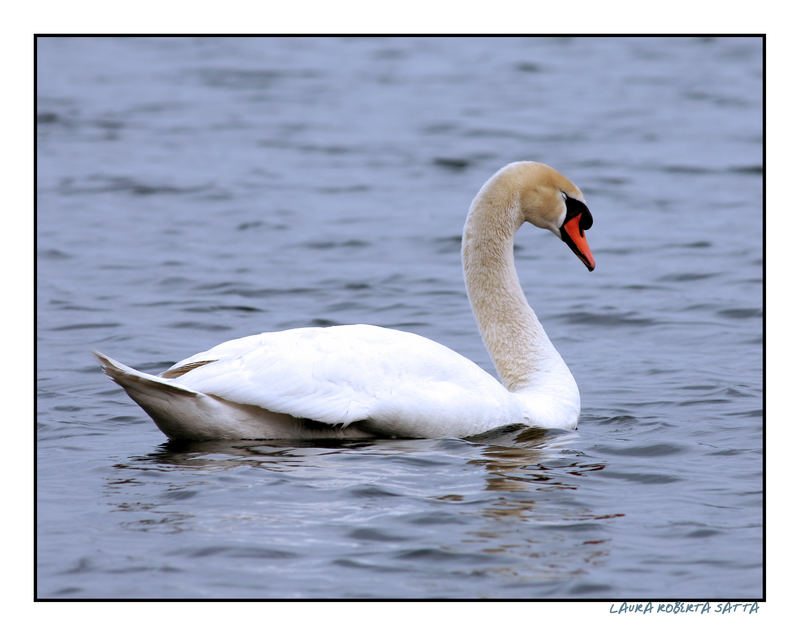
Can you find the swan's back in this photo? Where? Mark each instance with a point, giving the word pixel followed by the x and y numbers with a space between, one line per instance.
pixel 398 382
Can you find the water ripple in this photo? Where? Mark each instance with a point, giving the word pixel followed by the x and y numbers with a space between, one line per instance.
pixel 607 319
pixel 650 450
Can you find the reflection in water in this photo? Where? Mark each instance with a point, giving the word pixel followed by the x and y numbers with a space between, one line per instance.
pixel 519 463
pixel 528 528
pixel 547 540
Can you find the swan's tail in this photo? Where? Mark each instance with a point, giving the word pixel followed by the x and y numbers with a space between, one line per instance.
pixel 182 413
pixel 138 382
pixel 179 412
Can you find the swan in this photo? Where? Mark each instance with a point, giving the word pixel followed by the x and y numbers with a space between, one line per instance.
pixel 358 381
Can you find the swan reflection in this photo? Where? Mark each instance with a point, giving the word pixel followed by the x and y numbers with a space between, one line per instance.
pixel 512 497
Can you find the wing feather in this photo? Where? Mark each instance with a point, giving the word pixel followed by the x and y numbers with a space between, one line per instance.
pixel 340 375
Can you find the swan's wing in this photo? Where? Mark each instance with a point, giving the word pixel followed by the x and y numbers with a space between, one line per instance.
pixel 228 349
pixel 340 375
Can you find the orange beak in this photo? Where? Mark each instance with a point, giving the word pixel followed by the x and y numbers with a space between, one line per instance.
pixel 572 234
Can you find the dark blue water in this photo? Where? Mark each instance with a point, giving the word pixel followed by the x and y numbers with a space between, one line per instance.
pixel 194 190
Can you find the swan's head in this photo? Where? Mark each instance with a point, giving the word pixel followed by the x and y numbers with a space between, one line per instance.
pixel 551 201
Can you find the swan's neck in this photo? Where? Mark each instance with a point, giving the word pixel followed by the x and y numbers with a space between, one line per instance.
pixel 523 355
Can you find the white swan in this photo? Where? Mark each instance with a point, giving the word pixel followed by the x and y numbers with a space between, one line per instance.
pixel 364 381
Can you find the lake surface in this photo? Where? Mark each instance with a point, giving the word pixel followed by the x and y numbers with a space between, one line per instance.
pixel 194 190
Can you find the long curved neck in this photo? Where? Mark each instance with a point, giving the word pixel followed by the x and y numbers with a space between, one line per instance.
pixel 522 353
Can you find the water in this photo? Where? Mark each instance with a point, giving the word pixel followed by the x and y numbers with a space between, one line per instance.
pixel 195 190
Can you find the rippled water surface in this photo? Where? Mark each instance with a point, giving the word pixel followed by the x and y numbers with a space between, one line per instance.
pixel 195 190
